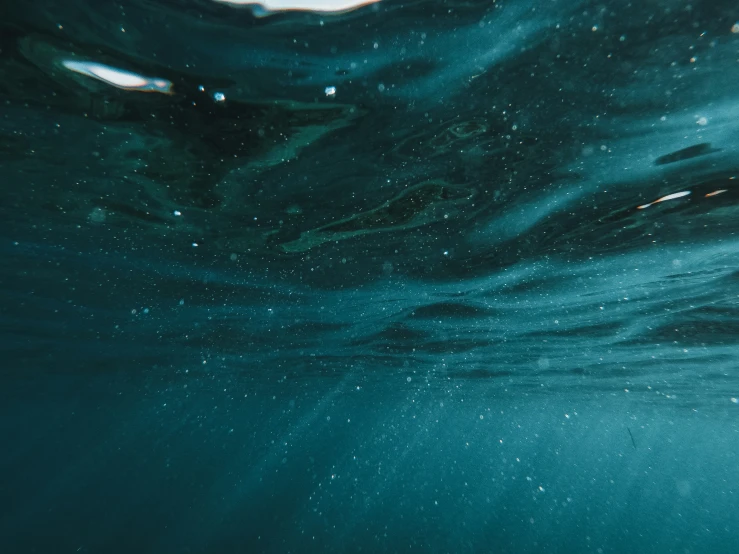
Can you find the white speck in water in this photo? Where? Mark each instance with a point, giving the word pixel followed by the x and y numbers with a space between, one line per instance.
pixel 330 91
pixel 194 244
pixel 735 400
pixel 219 96
pixel 98 215
pixel 702 121
pixel 177 213
pixel 381 87
pixel 408 379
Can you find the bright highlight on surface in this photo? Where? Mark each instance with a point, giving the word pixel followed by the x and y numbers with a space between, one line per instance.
pixel 668 197
pixel 119 77
pixel 323 6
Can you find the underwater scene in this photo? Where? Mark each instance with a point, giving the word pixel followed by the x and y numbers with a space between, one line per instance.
pixel 336 276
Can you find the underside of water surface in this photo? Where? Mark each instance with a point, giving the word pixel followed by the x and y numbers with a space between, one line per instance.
pixel 391 276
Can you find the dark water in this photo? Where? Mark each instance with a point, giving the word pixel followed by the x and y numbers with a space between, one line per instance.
pixel 390 280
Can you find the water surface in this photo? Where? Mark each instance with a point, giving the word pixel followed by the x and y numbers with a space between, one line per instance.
pixel 420 276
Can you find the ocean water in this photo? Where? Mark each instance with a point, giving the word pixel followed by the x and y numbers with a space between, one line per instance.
pixel 412 276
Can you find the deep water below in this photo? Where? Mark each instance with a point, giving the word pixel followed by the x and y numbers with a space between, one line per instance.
pixel 416 277
pixel 111 464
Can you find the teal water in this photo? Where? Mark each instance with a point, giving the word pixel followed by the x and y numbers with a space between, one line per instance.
pixel 415 277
